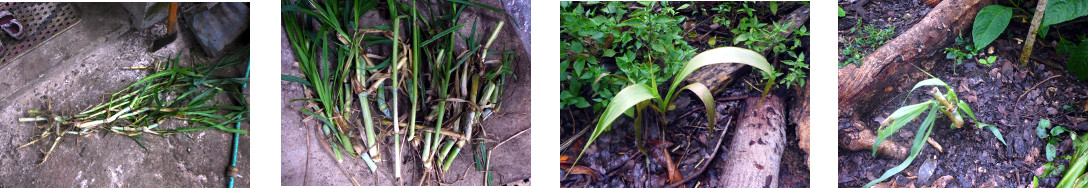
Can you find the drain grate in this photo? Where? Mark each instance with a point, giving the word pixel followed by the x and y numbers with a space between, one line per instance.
pixel 41 22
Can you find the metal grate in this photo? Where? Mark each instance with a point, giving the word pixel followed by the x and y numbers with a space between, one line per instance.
pixel 41 22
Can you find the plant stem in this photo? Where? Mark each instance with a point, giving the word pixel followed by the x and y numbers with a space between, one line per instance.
pixel 413 89
pixel 1038 18
pixel 949 109
pixel 394 69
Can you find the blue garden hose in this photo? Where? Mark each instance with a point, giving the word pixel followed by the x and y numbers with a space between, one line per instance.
pixel 234 148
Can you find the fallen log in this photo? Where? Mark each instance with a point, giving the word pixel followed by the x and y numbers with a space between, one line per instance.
pixel 858 138
pixel 755 152
pixel 882 72
pixel 799 117
pixel 717 77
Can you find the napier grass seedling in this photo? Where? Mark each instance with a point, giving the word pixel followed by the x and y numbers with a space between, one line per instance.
pixel 948 104
pixel 641 96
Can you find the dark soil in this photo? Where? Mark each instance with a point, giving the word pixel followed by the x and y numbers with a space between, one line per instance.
pixel 616 161
pixel 883 13
pixel 973 156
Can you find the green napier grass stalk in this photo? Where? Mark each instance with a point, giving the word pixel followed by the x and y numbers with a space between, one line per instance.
pixel 445 70
pixel 394 69
pixel 185 93
pixel 413 88
pixel 368 124
pixel 471 85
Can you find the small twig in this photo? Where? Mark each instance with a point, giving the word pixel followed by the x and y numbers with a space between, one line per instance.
pixel 575 137
pixel 935 144
pixel 714 154
pixel 504 141
pixel 732 98
pixel 1033 88
pixel 487 164
pixel 306 173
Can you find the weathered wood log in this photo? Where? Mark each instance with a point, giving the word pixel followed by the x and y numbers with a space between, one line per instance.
pixel 885 69
pixel 718 76
pixel 755 152
pixel 799 117
pixel 858 138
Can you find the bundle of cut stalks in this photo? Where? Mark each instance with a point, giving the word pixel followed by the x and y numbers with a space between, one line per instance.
pixel 450 89
pixel 174 91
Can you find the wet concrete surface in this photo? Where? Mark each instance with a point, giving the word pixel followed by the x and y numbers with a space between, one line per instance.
pixel 78 69
pixel 304 161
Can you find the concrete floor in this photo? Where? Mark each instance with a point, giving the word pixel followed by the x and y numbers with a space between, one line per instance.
pixel 305 162
pixel 77 69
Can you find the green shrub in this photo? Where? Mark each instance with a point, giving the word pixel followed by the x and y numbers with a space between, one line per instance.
pixel 645 46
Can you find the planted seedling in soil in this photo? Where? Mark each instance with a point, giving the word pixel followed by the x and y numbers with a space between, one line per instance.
pixel 642 96
pixel 947 103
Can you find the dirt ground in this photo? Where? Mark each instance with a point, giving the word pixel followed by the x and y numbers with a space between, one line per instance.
pixel 974 157
pixel 305 162
pixel 76 70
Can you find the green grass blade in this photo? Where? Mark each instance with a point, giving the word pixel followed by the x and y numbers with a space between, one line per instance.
pixel 967 109
pixel 486 7
pixel 441 34
pixel 901 117
pixel 715 56
pixel 919 142
pixel 704 95
pixel 929 82
pixel 623 100
pixel 994 130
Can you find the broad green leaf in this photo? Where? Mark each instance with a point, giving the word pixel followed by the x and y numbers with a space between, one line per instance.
pixel 1058 11
pixel 1078 60
pixel 900 117
pixel 740 38
pixel 1040 130
pixel 719 55
pixel 664 19
pixel 919 142
pixel 774 8
pixel 580 102
pixel 657 47
pixel 609 53
pixel 1057 130
pixel 1051 152
pixel 990 23
pixel 842 13
pixel 623 100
